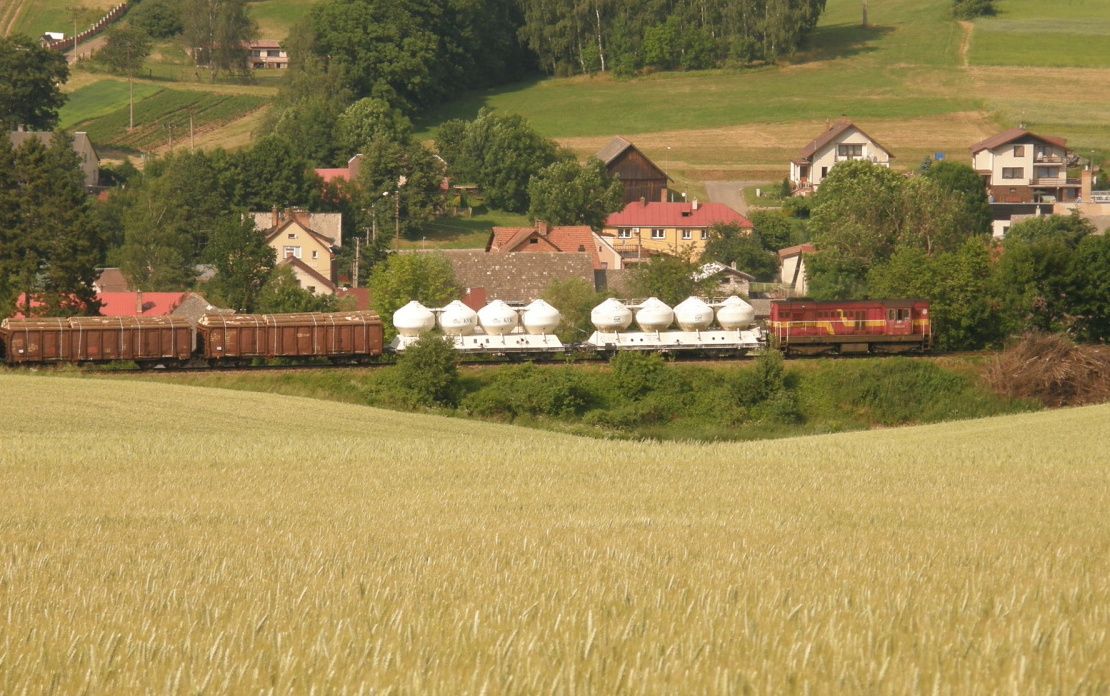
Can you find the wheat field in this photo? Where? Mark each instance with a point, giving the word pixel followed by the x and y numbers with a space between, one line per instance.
pixel 171 539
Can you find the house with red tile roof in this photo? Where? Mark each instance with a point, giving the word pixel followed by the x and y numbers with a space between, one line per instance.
pixel 267 54
pixel 146 304
pixel 842 141
pixel 643 229
pixel 348 173
pixel 544 238
pixel 1019 166
pixel 306 242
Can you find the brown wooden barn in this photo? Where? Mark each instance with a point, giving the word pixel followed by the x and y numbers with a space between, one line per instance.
pixel 640 176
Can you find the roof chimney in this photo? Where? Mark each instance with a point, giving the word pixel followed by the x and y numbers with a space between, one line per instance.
pixel 695 204
pixel 274 217
pixel 643 201
pixel 542 227
pixel 1086 184
pixel 138 303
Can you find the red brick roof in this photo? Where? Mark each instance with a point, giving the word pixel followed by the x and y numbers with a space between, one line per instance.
pixel 637 214
pixel 569 239
pixel 1012 135
pixel 798 250
pixel 126 304
pixel 330 175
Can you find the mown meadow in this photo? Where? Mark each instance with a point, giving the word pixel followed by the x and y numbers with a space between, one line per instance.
pixel 186 540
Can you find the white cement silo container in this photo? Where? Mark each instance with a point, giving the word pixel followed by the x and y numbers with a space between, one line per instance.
pixel 457 319
pixel 498 318
pixel 654 315
pixel 414 319
pixel 693 314
pixel 540 318
pixel 611 316
pixel 735 313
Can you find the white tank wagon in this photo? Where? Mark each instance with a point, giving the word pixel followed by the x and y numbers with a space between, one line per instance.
pixel 414 319
pixel 498 328
pixel 695 316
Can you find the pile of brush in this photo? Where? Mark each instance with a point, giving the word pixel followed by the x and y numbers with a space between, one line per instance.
pixel 1052 369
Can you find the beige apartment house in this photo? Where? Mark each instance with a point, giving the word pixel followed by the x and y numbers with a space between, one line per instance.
pixel 842 141
pixel 1019 166
pixel 306 242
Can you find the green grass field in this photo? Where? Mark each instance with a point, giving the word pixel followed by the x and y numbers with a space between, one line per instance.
pixel 101 99
pixel 276 17
pixel 177 539
pixel 163 109
pixel 1075 33
pixel 35 17
pixel 465 232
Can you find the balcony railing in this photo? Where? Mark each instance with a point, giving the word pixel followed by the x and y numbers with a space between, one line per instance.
pixel 1048 159
pixel 1054 181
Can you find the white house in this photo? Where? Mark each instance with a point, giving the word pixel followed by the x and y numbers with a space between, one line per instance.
pixel 841 142
pixel 1019 166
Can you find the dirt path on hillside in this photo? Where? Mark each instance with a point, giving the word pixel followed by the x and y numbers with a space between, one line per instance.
pixel 731 193
pixel 965 43
pixel 10 15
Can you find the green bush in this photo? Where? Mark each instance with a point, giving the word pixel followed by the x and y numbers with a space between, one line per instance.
pixel 637 374
pixel 427 372
pixel 531 391
pixel 970 9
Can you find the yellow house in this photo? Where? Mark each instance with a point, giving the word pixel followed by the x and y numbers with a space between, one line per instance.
pixel 299 243
pixel 644 228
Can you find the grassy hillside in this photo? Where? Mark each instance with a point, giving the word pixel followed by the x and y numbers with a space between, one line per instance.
pixel 199 541
pixel 915 79
pixel 36 17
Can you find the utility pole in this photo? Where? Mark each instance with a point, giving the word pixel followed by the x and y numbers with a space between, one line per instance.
pixel 192 147
pixel 864 14
pixel 130 90
pixel 354 277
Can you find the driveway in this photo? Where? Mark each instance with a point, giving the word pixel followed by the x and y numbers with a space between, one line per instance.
pixel 731 193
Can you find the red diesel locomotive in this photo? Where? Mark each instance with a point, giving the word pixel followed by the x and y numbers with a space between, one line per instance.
pixel 851 326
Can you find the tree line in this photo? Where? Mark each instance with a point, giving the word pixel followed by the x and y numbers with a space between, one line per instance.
pixel 880 234
pixel 625 36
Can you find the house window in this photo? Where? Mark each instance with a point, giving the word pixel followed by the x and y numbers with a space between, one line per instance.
pixel 292 235
pixel 624 233
pixel 256 53
pixel 849 150
pixel 1013 172
pixel 658 233
pixel 1019 151
pixel 292 252
pixel 705 234
pixel 315 254
pixel 312 289
pixel 687 234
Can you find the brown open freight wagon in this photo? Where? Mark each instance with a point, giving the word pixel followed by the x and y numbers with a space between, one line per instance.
pixel 333 335
pixel 145 340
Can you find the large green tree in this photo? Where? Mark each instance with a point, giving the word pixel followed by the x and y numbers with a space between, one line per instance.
pixel 398 186
pixel 367 119
pixel 567 193
pixel 217 32
pixel 426 278
pixel 243 263
pixel 575 298
pixel 864 212
pixel 962 180
pixel 49 243
pixel 500 153
pixel 30 84
pixel 731 244
pixel 670 278
pixel 125 49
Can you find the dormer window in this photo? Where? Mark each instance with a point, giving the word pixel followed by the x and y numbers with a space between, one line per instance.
pixel 533 240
